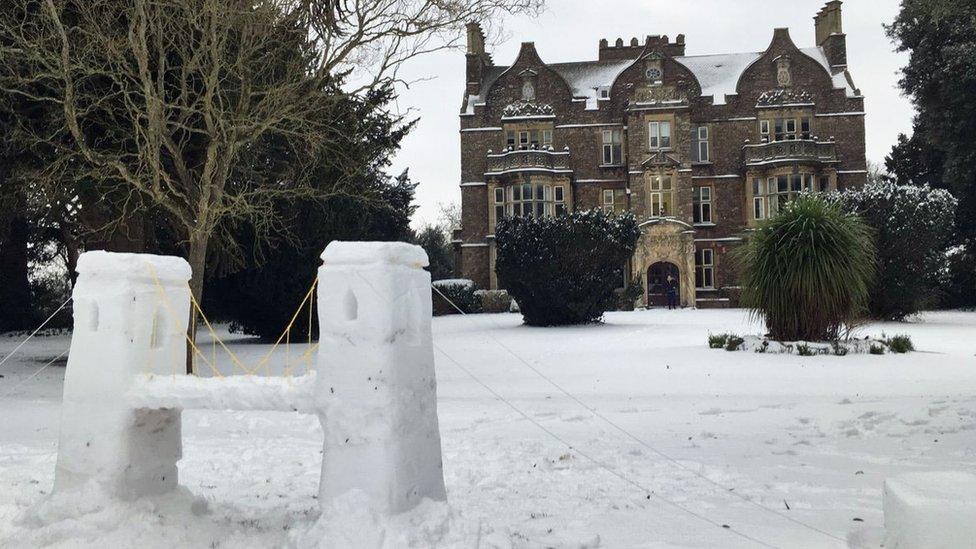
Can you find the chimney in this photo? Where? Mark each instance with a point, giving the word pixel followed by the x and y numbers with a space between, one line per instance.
pixel 477 58
pixel 830 35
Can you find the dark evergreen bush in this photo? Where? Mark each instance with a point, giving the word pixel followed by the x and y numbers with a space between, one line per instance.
pixel 563 270
pixel 807 270
pixel 912 226
pixel 459 294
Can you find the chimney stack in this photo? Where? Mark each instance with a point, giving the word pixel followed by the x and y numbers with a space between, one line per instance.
pixel 477 58
pixel 830 35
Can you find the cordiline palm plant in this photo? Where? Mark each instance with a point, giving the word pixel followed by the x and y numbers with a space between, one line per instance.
pixel 807 270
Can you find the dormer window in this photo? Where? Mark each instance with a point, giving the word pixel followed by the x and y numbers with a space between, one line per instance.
pixel 605 93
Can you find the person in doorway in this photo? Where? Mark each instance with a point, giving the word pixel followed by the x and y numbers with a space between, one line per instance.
pixel 671 289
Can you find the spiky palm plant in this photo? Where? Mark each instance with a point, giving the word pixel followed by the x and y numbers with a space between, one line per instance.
pixel 807 270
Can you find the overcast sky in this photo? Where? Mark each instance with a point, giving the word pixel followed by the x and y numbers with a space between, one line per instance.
pixel 570 30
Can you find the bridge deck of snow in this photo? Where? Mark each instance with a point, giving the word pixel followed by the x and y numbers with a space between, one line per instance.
pixel 285 394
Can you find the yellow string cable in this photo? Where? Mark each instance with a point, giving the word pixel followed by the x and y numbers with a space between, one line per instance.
pixel 294 317
pixel 213 333
pixel 307 353
pixel 311 308
pixel 169 307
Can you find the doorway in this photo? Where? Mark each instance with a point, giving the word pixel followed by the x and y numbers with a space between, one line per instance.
pixel 657 277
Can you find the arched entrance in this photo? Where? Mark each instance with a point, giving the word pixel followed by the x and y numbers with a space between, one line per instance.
pixel 657 277
pixel 666 246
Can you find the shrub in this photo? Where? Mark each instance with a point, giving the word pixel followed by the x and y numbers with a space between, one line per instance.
pixel 807 270
pixel 912 226
pixel 839 349
pixel 764 347
pixel 876 349
pixel 495 301
pixel 563 270
pixel 628 295
pixel 803 349
pixel 459 293
pixel 733 343
pixel 717 341
pixel 900 344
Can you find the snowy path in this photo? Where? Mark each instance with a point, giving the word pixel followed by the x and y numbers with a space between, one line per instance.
pixel 818 434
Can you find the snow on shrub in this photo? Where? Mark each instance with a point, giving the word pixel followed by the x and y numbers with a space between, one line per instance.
pixel 495 301
pixel 563 270
pixel 459 293
pixel 912 226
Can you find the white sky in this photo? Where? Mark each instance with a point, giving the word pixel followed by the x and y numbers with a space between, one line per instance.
pixel 570 30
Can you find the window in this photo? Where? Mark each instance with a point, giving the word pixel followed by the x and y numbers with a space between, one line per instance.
pixel 662 196
pixel 769 198
pixel 528 139
pixel 614 200
pixel 702 201
pixel 659 135
pixel 758 200
pixel 785 129
pixel 654 75
pixel 699 144
pixel 499 203
pixel 705 269
pixel 559 199
pixel 605 93
pixel 612 149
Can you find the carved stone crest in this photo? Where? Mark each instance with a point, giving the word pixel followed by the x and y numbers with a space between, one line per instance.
pixel 783 75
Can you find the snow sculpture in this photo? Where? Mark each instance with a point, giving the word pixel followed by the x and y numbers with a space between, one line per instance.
pixel 376 384
pixel 375 392
pixel 131 312
pixel 930 510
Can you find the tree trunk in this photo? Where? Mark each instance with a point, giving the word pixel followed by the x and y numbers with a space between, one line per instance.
pixel 199 240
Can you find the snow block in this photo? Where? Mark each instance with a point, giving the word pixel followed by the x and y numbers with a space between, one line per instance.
pixel 375 384
pixel 930 510
pixel 130 317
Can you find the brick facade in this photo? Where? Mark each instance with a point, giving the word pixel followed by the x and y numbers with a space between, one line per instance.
pixel 772 123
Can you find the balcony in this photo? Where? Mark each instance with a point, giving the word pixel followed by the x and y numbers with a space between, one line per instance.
pixel 802 151
pixel 528 160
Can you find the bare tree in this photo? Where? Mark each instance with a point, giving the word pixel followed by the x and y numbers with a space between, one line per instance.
pixel 164 103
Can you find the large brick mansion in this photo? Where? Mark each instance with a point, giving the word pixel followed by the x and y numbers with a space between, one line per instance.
pixel 700 148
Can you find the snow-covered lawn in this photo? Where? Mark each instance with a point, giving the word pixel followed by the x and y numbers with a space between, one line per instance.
pixel 762 442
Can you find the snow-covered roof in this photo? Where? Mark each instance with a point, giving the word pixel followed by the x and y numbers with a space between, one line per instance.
pixel 491 74
pixel 718 75
pixel 587 78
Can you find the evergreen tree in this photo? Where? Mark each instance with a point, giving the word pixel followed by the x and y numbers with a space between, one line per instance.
pixel 940 78
pixel 912 226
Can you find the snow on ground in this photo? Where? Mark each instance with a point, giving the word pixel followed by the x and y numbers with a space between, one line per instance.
pixel 810 438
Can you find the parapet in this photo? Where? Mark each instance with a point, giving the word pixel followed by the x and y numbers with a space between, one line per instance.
pixel 119 265
pixel 375 253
